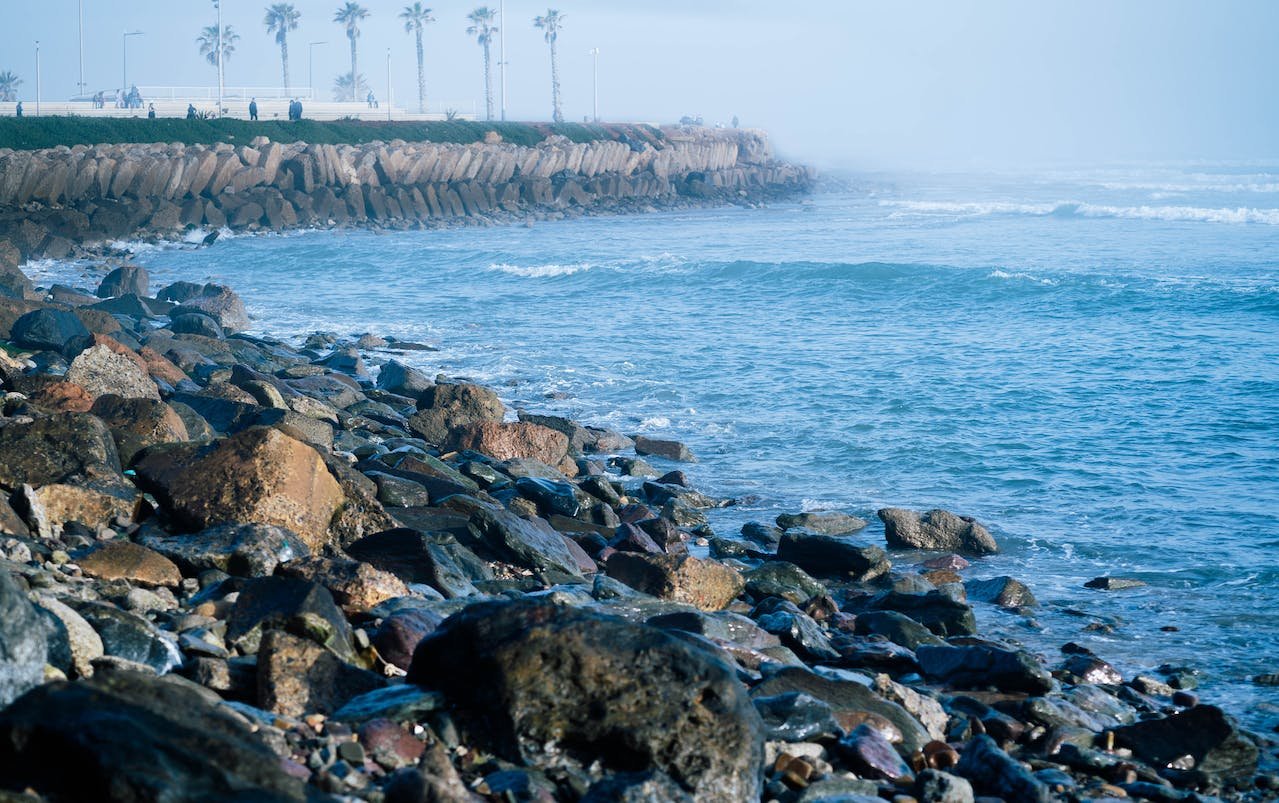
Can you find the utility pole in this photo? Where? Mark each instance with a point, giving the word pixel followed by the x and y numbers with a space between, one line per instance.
pixel 501 51
pixel 80 18
pixel 310 64
pixel 595 81
pixel 124 60
pixel 37 78
pixel 388 84
pixel 218 5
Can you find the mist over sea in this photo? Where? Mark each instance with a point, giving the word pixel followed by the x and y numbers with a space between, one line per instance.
pixel 1086 361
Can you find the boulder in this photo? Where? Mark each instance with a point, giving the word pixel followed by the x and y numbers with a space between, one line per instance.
pixel 442 407
pixel 1004 591
pixel 777 578
pixel 50 507
pixel 826 522
pixel 124 560
pixel 355 586
pixel 13 282
pixel 297 677
pixel 286 603
pixel 707 584
pixel 528 543
pixel 179 292
pixel 994 772
pixel 61 397
pixel 397 377
pixel 510 441
pixel 242 550
pixel 896 627
pixel 130 636
pixel 125 280
pixel 186 322
pixel 220 303
pixel 57 448
pixel 23 645
pixel 138 738
pixel 936 529
pixel 981 666
pixel 1213 742
pixel 138 423
pixel 50 330
pixel 671 450
pixel 417 557
pixel 832 556
pixel 101 370
pixel 259 475
pixel 935 610
pixel 550 687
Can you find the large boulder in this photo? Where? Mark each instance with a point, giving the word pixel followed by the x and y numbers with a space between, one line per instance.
pixel 708 584
pixel 220 303
pixel 23 647
pixel 552 686
pixel 50 330
pixel 280 603
pixel 125 280
pixel 443 407
pixel 296 676
pixel 994 772
pixel 1215 745
pixel 936 529
pixel 832 556
pixel 138 423
pixel 243 550
pixel 57 448
pixel 671 450
pixel 405 380
pixel 981 666
pixel 259 475
pixel 126 736
pixel 510 441
pixel 101 370
pixel 13 282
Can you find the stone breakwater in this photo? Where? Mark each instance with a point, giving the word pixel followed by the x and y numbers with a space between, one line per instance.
pixel 53 200
pixel 235 568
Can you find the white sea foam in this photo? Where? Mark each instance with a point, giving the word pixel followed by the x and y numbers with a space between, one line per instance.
pixel 1003 274
pixel 1196 214
pixel 655 422
pixel 540 271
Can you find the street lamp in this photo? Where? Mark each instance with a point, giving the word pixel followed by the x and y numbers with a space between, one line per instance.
pixel 594 53
pixel 124 60
pixel 218 5
pixel 37 78
pixel 501 54
pixel 80 18
pixel 388 84
pixel 310 59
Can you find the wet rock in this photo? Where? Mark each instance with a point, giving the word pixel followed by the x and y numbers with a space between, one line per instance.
pixel 994 772
pixel 138 423
pixel 395 491
pixel 355 586
pixel 552 496
pixel 401 703
pixel 762 534
pixel 781 579
pixel 389 744
pixel 259 475
pixel 797 717
pixel 59 448
pixel 397 377
pixel 630 538
pixel 1088 668
pixel 669 449
pixel 124 560
pixel 346 361
pixel 417 557
pixel 401 632
pixel 827 522
pixel 552 686
pixel 979 666
pixel 129 636
pixel 936 529
pixel 946 563
pixel 871 756
pixel 23 644
pixel 896 627
pixel 442 407
pixel 1201 738
pixel 840 790
pixel 935 786
pixel 242 550
pixel 179 292
pixel 529 543
pixel 797 631
pixel 286 603
pixel 136 738
pixel 509 441
pixel 707 584
pixel 125 280
pixel 1002 591
pixel 297 676
pixel 196 323
pixel 1113 583
pixel 832 556
pixel 83 642
pixel 935 610
pixel 220 303
pixel 50 330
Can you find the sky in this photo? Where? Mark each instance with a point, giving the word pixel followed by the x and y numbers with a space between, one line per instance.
pixel 871 84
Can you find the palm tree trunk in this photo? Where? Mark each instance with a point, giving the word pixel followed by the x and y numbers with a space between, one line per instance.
pixel 488 84
pixel 421 74
pixel 557 114
pixel 355 76
pixel 284 60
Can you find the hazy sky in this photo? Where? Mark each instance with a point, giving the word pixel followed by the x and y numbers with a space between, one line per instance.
pixel 865 83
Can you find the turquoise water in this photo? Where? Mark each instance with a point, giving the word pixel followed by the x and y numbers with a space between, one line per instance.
pixel 1088 362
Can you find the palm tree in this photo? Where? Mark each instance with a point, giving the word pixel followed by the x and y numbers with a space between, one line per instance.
pixel 280 19
pixel 208 40
pixel 9 83
pixel 482 29
pixel 344 88
pixel 350 15
pixel 551 24
pixel 415 16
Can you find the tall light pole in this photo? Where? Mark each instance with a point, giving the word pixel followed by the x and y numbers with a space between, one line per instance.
pixel 80 19
pixel 218 5
pixel 501 50
pixel 388 84
pixel 37 78
pixel 310 63
pixel 124 60
pixel 594 53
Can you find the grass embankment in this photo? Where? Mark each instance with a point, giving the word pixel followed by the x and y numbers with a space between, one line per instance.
pixel 33 133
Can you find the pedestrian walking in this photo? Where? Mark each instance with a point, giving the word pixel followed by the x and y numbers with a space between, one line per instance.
pixel 18 109
pixel 150 111
pixel 253 108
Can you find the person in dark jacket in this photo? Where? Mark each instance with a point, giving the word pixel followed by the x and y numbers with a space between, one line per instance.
pixel 190 111
pixel 18 109
pixel 253 109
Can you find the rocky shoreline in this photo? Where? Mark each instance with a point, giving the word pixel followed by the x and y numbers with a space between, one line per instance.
pixel 235 569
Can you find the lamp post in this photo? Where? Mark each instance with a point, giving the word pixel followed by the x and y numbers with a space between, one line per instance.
pixel 501 50
pixel 80 19
pixel 218 5
pixel 388 84
pixel 37 78
pixel 310 63
pixel 124 60
pixel 594 53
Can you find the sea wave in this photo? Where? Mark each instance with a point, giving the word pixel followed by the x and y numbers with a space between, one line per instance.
pixel 1003 274
pixel 540 271
pixel 1197 214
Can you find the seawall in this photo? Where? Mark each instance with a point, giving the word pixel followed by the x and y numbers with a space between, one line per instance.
pixel 53 200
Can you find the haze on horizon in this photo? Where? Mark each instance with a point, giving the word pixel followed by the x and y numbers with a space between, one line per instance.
pixel 847 83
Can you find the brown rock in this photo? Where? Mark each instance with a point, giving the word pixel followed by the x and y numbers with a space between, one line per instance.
pixel 510 441
pixel 258 476
pixel 355 586
pixel 125 560
pixel 138 423
pixel 443 407
pixel 708 584
pixel 62 397
pixel 51 506
pixel 297 677
pixel 161 368
pixel 389 744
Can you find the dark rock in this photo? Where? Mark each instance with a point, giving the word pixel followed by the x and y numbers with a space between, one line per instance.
pixel 671 450
pixel 66 447
pixel 346 361
pixel 286 603
pixel 936 529
pixel 179 292
pixel 707 584
pixel 397 377
pixel 552 496
pixel 135 738
pixel 980 666
pixel 994 772
pixel 51 330
pixel 896 627
pixel 637 787
pixel 762 534
pixel 188 322
pixel 827 522
pixel 935 610
pixel 138 423
pixel 798 631
pixel 395 491
pixel 242 550
pixel 935 786
pixel 523 542
pixel 401 703
pixel 125 280
pixel 797 717
pixel 129 636
pixel 630 538
pixel 219 302
pixel 23 644
pixel 781 579
pixel 1002 591
pixel 297 677
pixel 871 755
pixel 832 556
pixel 389 744
pixel 400 633
pixel 416 557
pixel 1089 668
pixel 550 686
pixel 1113 583
pixel 1214 744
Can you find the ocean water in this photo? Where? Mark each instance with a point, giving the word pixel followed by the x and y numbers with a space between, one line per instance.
pixel 1086 361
